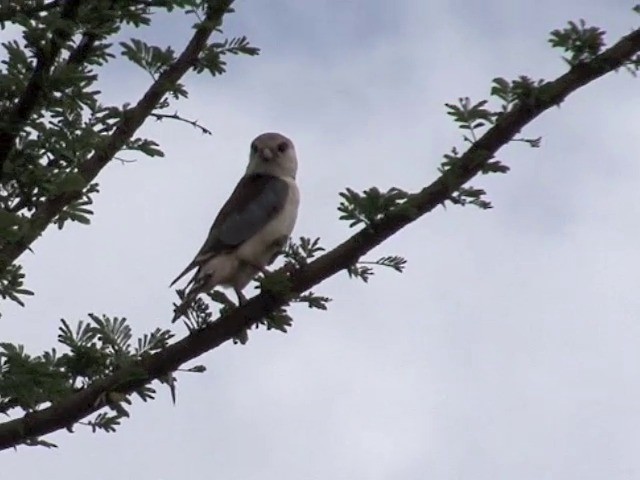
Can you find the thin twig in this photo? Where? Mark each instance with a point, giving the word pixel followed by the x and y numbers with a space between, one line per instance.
pixel 174 116
pixel 131 120
pixel 89 400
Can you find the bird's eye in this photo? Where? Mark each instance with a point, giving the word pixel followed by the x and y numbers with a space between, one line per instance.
pixel 254 148
pixel 282 147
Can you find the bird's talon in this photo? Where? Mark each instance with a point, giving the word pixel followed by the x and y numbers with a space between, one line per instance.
pixel 242 299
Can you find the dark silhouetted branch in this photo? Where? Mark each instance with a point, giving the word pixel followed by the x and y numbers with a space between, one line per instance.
pixel 174 116
pixel 132 119
pixel 77 406
pixel 33 92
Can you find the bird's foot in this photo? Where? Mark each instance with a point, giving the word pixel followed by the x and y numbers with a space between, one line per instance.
pixel 243 336
pixel 242 299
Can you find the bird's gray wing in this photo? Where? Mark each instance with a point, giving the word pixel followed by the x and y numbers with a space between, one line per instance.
pixel 255 201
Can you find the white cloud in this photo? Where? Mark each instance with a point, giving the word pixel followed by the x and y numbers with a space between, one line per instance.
pixel 507 350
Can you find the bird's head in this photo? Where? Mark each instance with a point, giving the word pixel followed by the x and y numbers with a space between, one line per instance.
pixel 273 154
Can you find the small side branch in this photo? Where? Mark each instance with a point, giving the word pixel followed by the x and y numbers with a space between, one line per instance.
pixel 132 119
pixel 174 116
pixel 91 399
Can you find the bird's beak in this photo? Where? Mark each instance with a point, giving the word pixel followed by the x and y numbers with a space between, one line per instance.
pixel 267 154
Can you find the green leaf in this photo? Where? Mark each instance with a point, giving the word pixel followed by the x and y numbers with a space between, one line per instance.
pixel 8 219
pixel 279 320
pixel 369 206
pixel 197 369
pixel 71 183
pixel 313 301
pixel 581 42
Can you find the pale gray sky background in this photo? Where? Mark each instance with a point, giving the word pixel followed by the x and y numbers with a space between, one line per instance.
pixel 508 350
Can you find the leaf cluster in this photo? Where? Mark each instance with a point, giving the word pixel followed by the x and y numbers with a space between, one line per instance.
pixel 199 313
pixel 364 269
pixel 54 127
pixel 53 119
pixel 370 206
pixel 94 349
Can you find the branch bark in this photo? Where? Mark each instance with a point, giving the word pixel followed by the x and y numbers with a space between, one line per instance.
pixel 79 405
pixel 126 128
pixel 77 56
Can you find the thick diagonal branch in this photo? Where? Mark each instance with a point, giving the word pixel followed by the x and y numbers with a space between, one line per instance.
pixel 77 406
pixel 126 128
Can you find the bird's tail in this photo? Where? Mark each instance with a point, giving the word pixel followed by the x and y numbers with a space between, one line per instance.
pixel 208 275
pixel 190 267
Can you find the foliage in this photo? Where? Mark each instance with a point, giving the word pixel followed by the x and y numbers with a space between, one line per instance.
pixel 364 268
pixel 93 350
pixel 370 206
pixel 53 122
pixel 582 43
pixel 296 254
pixel 56 133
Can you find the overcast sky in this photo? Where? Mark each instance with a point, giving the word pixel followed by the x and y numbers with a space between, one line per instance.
pixel 508 350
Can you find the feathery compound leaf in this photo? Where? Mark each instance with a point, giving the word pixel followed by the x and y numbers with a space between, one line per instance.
pixel 113 333
pixel 393 261
pixel 494 166
pixel 211 58
pixel 154 341
pixel 39 442
pixel 300 253
pixel 146 393
pixel 278 320
pixel 369 206
pixel 198 313
pixel 104 421
pixel 581 42
pixel 312 300
pixel 84 334
pixel 471 196
pixel 363 269
pixel 26 382
pixel 151 58
pixel 360 271
pixel 12 284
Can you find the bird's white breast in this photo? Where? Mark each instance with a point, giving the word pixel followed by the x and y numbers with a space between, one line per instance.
pixel 260 248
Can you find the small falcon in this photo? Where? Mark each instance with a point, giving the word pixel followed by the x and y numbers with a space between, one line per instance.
pixel 253 225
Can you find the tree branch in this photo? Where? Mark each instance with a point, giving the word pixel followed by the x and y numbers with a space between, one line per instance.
pixel 79 54
pixel 174 116
pixel 34 90
pixel 126 128
pixel 87 401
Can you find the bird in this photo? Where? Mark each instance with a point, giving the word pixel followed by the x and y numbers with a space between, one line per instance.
pixel 252 227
